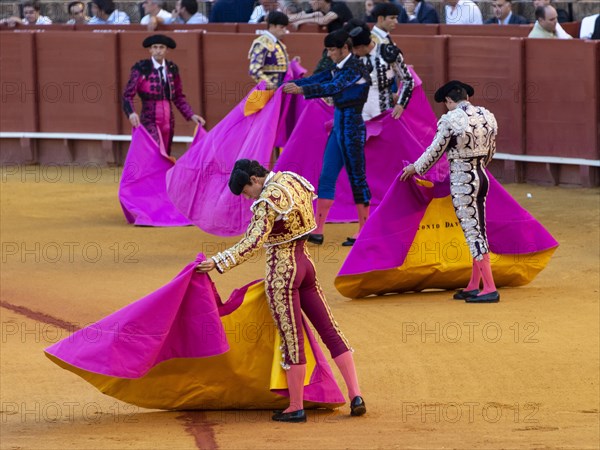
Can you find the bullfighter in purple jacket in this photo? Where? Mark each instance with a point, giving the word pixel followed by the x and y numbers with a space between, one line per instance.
pixel 157 82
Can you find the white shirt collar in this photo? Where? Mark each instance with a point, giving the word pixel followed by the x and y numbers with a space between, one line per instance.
pixel 379 32
pixel 505 21
pixel 341 64
pixel 270 36
pixel 156 64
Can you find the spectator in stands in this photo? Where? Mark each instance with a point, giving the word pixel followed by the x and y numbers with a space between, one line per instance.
pixel 186 12
pixel 261 11
pixel 327 13
pixel 268 55
pixel 77 14
pixel 588 25
pixel 402 15
pixel 546 24
pixel 503 14
pixel 158 83
pixel 563 16
pixel 462 12
pixel 291 6
pixel 560 32
pixel 596 33
pixel 31 16
pixel 154 13
pixel 231 11
pixel 369 4
pixel 105 13
pixel 419 11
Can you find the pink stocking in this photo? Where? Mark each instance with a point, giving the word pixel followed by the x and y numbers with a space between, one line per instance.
pixel 485 266
pixel 295 380
pixel 323 206
pixel 345 363
pixel 475 277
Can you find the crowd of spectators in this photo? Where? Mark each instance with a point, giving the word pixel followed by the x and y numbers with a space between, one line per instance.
pixel 331 14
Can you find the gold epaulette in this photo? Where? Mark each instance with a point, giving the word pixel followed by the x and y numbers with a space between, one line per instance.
pixel 277 196
pixel 262 41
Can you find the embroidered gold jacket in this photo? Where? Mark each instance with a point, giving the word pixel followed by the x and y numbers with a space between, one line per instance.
pixel 466 132
pixel 282 213
pixel 268 61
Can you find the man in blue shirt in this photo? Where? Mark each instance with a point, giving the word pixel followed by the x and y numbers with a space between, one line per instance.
pixel 231 11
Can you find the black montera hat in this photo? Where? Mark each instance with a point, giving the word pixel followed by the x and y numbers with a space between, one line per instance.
pixel 442 92
pixel 337 39
pixel 159 39
pixel 359 31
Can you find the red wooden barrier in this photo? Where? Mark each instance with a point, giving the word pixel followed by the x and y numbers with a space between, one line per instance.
pixel 486 30
pixel 561 108
pixel 17 66
pixel 310 28
pixel 99 28
pixel 18 95
pixel 77 81
pixel 226 79
pixel 208 27
pixel 498 81
pixel 308 46
pixel 416 29
pixel 428 55
pixel 545 93
pixel 250 27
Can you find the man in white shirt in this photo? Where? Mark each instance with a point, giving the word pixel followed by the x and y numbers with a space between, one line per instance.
pixel 31 16
pixel 259 15
pixel 186 12
pixel 153 9
pixel 462 12
pixel 559 30
pixel 546 25
pixel 77 13
pixel 588 25
pixel 105 13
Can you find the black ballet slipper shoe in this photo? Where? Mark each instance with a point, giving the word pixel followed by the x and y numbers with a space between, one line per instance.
pixel 463 294
pixel 357 406
pixel 291 417
pixel 492 297
pixel 316 239
pixel 349 242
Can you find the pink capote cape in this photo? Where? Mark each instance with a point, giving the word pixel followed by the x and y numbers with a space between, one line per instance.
pixel 378 262
pixel 198 183
pixel 142 191
pixel 171 350
pixel 390 145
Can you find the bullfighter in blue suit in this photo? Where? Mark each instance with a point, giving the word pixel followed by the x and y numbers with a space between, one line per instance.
pixel 348 85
